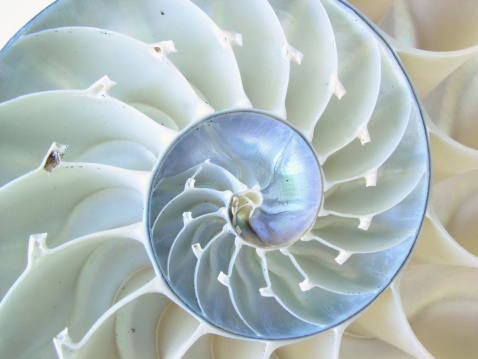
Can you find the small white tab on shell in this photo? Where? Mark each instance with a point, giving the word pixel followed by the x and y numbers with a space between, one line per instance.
pixel 342 257
pixel 63 344
pixel 306 285
pixel 223 279
pixel 336 87
pixel 189 184
pixel 64 336
pixel 187 217
pixel 364 136
pixel 164 47
pixel 266 292
pixel 307 237
pixel 197 250
pixel 238 242
pixel 191 181
pixel 285 251
pixel 292 54
pixel 36 247
pixel 371 178
pixel 233 38
pixel 101 88
pixel 365 222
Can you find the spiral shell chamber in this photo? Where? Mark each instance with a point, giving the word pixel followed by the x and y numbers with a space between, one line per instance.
pixel 373 177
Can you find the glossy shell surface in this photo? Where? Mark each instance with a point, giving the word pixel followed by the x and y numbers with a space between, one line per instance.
pixel 94 94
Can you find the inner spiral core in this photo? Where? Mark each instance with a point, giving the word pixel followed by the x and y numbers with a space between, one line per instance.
pixel 279 187
pixel 232 183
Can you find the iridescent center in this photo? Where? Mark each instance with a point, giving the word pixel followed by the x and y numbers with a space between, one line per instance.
pixel 280 176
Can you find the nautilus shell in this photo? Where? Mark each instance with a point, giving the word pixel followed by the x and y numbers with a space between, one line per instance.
pixel 239 179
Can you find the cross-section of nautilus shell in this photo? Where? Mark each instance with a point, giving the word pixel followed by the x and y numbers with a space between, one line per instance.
pixel 237 179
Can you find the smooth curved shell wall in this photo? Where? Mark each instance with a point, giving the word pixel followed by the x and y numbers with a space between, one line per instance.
pixel 115 296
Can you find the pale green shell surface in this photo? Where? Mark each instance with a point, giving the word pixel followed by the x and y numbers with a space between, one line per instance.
pixel 121 85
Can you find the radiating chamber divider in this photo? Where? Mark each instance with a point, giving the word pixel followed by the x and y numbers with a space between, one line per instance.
pixel 94 96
